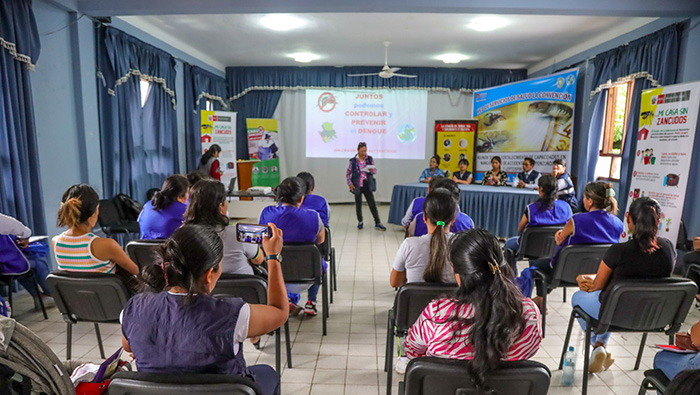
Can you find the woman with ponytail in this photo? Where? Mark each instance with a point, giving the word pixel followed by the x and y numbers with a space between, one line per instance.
pixel 78 249
pixel 209 163
pixel 178 327
pixel 645 256
pixel 166 211
pixel 487 320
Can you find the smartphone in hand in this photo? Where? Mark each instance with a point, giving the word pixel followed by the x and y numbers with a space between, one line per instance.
pixel 252 233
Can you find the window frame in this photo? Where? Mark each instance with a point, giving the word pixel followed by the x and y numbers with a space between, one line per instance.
pixel 608 137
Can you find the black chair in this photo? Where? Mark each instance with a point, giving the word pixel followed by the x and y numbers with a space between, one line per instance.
pixel 253 289
pixel 88 297
pixel 571 261
pixel 302 265
pixel 143 252
pixel 654 379
pixel 139 383
pixel 655 305
pixel 431 375
pixel 410 301
pixel 538 242
pixel 328 253
pixel 112 223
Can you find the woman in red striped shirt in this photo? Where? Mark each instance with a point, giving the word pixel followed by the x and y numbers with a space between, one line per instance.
pixel 487 320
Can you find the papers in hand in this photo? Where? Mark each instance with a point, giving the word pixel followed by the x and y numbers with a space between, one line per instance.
pixel 369 168
pixel 33 239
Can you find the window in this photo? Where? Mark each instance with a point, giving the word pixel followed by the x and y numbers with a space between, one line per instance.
pixel 145 90
pixel 614 129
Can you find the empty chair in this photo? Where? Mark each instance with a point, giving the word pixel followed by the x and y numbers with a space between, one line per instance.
pixel 143 252
pixel 538 242
pixel 87 297
pixel 303 265
pixel 137 383
pixel 655 305
pixel 654 380
pixel 253 290
pixel 111 221
pixel 431 375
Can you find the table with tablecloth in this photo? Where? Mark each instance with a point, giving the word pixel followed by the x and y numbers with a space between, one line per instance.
pixel 498 209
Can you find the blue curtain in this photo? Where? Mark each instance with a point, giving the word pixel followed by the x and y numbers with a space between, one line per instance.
pixel 199 86
pixel 139 145
pixel 588 144
pixel 254 104
pixel 20 187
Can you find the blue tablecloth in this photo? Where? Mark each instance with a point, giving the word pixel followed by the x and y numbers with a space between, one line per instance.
pixel 498 209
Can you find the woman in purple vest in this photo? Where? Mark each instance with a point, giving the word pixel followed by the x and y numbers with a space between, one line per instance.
pixel 166 211
pixel 461 222
pixel 312 201
pixel 299 226
pixel 180 328
pixel 546 211
pixel 416 206
pixel 599 225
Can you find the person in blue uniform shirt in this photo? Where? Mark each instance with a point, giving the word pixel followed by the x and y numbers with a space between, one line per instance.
pixel 433 170
pixel 528 177
pixel 314 202
pixel 461 222
pixel 565 186
pixel 416 206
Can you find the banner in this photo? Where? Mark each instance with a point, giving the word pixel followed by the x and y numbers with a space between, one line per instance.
pixel 391 122
pixel 454 141
pixel 219 127
pixel 264 145
pixel 531 118
pixel 667 119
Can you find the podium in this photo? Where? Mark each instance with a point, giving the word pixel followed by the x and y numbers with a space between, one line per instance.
pixel 245 175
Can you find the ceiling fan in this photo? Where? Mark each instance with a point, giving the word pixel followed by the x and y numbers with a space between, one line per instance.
pixel 386 71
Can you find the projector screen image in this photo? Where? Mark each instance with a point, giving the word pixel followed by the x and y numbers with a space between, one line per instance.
pixel 391 122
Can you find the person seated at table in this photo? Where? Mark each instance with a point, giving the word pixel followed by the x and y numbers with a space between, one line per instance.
pixel 528 177
pixel 416 206
pixel 463 176
pixel 599 225
pixel 462 221
pixel 646 256
pixel 208 206
pixel 495 176
pixel 672 363
pixel 314 202
pixel 433 170
pixel 177 327
pixel 165 212
pixel 565 185
pixel 299 226
pixel 487 320
pixel 546 211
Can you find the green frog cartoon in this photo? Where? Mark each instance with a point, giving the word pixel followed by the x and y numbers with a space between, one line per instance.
pixel 328 134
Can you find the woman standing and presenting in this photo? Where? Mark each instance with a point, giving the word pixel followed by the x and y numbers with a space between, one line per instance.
pixel 360 178
pixel 209 164
pixel 495 176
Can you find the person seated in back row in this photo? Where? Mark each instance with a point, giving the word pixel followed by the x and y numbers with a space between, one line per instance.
pixel 314 202
pixel 416 206
pixel 565 185
pixel 433 170
pixel 462 221
pixel 528 177
pixel 165 212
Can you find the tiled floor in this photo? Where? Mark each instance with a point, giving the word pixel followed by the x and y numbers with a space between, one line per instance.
pixel 349 360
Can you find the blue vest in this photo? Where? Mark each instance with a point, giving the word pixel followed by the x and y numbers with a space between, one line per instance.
pixel 318 204
pixel 567 194
pixel 356 175
pixel 558 214
pixel 593 227
pixel 167 335
pixel 462 222
pixel 12 260
pixel 298 225
pixel 417 206
pixel 529 179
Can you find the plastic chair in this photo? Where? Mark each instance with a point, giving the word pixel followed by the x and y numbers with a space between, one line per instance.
pixel 139 383
pixel 655 305
pixel 302 265
pixel 654 379
pixel 571 261
pixel 430 375
pixel 410 301
pixel 328 253
pixel 143 252
pixel 88 297
pixel 112 223
pixel 253 289
pixel 538 242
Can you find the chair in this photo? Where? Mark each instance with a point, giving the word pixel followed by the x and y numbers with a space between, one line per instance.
pixel 328 253
pixel 409 303
pixel 139 383
pixel 571 261
pixel 143 252
pixel 88 297
pixel 538 242
pixel 654 379
pixel 252 289
pixel 655 305
pixel 112 223
pixel 302 265
pixel 431 375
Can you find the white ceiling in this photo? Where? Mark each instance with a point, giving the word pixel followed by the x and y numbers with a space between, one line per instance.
pixel 355 39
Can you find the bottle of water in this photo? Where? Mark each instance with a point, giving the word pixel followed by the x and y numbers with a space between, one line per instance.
pixel 567 377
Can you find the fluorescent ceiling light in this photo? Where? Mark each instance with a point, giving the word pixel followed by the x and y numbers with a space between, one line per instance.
pixel 452 58
pixel 304 57
pixel 282 22
pixel 487 23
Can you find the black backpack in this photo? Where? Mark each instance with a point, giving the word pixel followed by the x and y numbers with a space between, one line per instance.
pixel 129 209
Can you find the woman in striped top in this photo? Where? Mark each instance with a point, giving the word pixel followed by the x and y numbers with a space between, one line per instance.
pixel 487 320
pixel 78 249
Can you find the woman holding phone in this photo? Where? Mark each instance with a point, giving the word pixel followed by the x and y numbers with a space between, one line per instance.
pixel 495 176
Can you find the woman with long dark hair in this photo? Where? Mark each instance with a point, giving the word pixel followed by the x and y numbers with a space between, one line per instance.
pixel 645 256
pixel 165 212
pixel 487 320
pixel 496 176
pixel 209 164
pixel 360 179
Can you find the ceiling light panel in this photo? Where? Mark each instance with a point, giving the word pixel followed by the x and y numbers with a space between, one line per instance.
pixel 451 58
pixel 487 23
pixel 282 22
pixel 304 57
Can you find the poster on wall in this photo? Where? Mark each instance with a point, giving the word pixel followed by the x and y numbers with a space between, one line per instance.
pixel 219 127
pixel 454 141
pixel 531 118
pixel 667 119
pixel 264 145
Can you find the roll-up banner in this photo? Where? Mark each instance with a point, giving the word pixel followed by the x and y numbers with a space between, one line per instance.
pixel 264 145
pixel 531 118
pixel 454 141
pixel 219 127
pixel 667 120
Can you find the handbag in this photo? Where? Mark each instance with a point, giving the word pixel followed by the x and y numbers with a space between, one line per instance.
pixel 684 342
